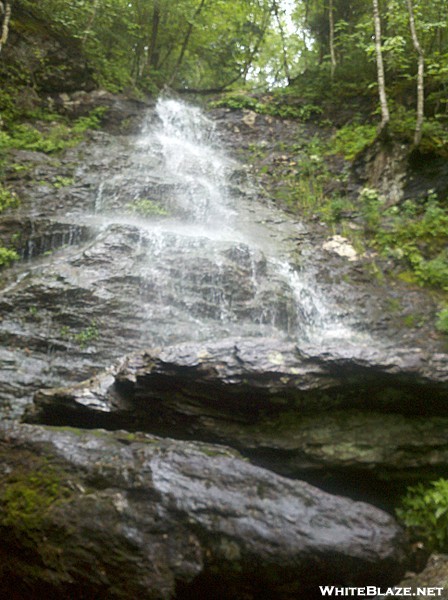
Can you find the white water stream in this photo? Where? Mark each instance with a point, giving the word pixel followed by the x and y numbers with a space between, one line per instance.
pixel 214 234
pixel 173 244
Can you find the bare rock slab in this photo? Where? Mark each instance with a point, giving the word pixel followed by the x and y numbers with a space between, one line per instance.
pixel 376 416
pixel 117 515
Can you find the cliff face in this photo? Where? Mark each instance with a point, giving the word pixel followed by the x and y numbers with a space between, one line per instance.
pixel 123 514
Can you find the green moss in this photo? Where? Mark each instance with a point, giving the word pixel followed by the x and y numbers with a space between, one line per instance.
pixel 27 495
pixel 413 320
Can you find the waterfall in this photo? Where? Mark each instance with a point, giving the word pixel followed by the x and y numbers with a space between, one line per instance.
pixel 217 261
pixel 173 243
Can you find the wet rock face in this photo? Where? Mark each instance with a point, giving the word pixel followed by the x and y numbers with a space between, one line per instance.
pixel 120 114
pixel 298 414
pixel 124 516
pixel 80 307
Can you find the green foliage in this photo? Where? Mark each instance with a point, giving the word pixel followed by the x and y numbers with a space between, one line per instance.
pixel 26 137
pixel 83 338
pixel 442 321
pixel 147 208
pixel 52 136
pixel 424 509
pixel 61 181
pixel 275 106
pixel 8 199
pixel 371 202
pixel 87 335
pixel 7 256
pixel 351 139
pixel 417 237
pixel 91 121
pixel 238 101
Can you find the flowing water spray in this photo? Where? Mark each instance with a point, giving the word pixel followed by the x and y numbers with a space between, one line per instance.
pixel 177 246
pixel 215 255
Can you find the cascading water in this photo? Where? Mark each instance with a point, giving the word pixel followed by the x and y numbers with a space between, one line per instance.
pixel 176 247
pixel 214 256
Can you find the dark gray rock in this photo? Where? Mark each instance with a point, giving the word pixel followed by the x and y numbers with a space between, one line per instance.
pixel 290 411
pixel 121 113
pixel 95 514
pixel 435 574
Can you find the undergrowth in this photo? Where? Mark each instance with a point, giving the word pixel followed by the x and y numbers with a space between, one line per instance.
pixel 8 199
pixel 424 510
pixel 273 105
pixel 52 135
pixel 406 240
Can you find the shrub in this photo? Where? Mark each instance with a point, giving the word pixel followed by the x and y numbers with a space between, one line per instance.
pixel 8 199
pixel 442 321
pixel 7 256
pixel 352 138
pixel 417 236
pixel 424 509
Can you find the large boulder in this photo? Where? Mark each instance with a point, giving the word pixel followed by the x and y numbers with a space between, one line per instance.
pixel 116 515
pixel 372 416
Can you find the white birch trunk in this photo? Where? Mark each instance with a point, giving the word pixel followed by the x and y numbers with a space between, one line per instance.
pixel 420 76
pixel 5 25
pixel 385 117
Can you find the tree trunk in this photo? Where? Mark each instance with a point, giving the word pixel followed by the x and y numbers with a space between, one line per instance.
pixel 420 76
pixel 185 42
pixel 91 21
pixel 283 38
pixel 385 117
pixel 6 10
pixel 332 50
pixel 153 54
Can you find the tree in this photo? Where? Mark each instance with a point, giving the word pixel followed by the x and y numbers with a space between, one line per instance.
pixel 385 116
pixel 420 76
pixel 275 9
pixel 331 27
pixel 153 54
pixel 186 40
pixel 5 14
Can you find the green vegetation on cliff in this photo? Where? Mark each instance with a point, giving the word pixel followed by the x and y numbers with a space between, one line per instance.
pixel 424 510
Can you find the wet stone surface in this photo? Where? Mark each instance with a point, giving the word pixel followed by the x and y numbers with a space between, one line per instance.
pixel 258 338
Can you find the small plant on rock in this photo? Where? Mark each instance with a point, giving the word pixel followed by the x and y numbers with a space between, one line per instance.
pixel 147 208
pixel 424 510
pixel 442 321
pixel 7 256
pixel 8 199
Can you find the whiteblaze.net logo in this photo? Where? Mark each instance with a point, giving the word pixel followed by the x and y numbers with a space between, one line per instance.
pixel 373 591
